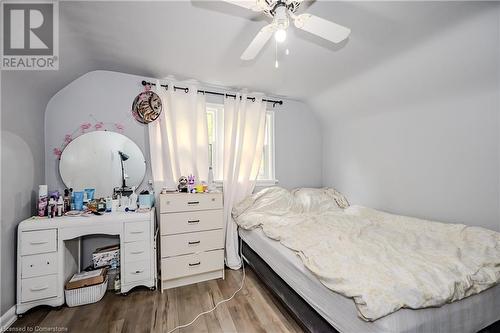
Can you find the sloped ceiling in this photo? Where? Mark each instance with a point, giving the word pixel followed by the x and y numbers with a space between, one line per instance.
pixel 204 39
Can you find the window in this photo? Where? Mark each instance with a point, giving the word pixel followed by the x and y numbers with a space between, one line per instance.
pixel 215 121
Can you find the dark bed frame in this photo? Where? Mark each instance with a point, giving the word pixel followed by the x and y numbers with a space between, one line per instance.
pixel 299 309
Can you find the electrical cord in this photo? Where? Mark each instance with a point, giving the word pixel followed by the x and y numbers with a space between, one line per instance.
pixel 220 302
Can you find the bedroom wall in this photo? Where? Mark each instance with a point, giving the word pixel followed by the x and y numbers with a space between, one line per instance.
pixel 22 169
pixel 418 134
pixel 107 96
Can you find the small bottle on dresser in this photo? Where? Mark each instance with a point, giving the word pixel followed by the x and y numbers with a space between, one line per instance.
pixel 60 206
pixel 67 201
pixel 51 208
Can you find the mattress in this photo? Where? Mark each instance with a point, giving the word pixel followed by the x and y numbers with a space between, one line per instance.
pixel 468 315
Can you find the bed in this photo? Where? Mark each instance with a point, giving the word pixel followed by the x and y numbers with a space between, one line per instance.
pixel 320 309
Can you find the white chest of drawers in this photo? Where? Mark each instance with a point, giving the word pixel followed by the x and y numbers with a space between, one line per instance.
pixel 191 238
pixel 48 254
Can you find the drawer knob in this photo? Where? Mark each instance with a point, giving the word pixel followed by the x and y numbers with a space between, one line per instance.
pixel 194 264
pixel 194 242
pixel 193 221
pixel 48 263
pixel 213 199
pixel 31 265
pixel 139 272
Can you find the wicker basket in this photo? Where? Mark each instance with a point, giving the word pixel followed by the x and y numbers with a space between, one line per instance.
pixel 86 295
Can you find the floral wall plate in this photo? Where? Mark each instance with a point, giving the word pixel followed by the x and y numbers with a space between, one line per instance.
pixel 146 107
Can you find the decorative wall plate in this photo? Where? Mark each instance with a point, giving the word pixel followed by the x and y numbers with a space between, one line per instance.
pixel 146 107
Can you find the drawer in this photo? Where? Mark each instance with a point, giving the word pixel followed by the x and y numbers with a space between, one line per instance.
pixel 185 202
pixel 41 287
pixel 136 271
pixel 193 242
pixel 39 241
pixel 191 264
pixel 175 223
pixel 136 231
pixel 39 264
pixel 136 251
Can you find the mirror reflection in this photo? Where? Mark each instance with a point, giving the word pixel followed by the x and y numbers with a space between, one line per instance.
pixel 104 161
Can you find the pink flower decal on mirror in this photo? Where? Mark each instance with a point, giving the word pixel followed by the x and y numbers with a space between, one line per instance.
pixel 84 127
pixel 99 126
pixel 119 127
pixel 57 152
pixel 87 127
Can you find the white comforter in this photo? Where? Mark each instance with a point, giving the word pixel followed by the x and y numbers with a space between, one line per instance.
pixel 383 261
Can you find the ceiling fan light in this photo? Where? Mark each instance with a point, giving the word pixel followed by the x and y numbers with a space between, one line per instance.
pixel 280 35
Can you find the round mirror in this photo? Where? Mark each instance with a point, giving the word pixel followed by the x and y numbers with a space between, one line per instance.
pixel 102 160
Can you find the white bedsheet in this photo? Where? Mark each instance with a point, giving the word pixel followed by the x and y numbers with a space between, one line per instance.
pixel 384 262
pixel 466 316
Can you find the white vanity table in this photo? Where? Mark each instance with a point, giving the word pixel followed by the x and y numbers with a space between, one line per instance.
pixel 48 253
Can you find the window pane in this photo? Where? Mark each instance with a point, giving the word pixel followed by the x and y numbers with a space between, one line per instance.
pixel 211 136
pixel 215 121
pixel 266 166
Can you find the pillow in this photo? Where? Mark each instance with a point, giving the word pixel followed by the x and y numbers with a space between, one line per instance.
pixel 319 199
pixel 339 198
pixel 275 200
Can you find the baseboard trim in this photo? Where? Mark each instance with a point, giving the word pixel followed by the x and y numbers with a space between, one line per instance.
pixel 7 319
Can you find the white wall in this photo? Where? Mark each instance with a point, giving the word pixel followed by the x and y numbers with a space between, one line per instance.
pixel 22 159
pixel 108 96
pixel 418 134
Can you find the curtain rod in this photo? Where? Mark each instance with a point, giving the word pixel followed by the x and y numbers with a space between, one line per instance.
pixel 273 102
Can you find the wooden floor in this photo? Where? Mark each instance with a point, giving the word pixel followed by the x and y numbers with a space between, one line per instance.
pixel 253 309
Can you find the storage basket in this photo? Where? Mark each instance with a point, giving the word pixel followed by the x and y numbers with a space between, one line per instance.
pixel 86 295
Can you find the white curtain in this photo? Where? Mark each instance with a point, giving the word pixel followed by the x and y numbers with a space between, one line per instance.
pixel 178 140
pixel 244 131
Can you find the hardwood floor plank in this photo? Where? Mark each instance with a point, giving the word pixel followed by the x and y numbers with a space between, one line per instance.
pixel 171 315
pixel 253 309
pixel 222 313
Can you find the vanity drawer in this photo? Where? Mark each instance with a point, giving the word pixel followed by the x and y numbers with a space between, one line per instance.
pixel 39 264
pixel 136 271
pixel 136 251
pixel 182 202
pixel 136 231
pixel 39 241
pixel 192 242
pixel 41 287
pixel 191 264
pixel 175 223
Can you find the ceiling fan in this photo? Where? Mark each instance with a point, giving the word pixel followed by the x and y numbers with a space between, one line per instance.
pixel 282 11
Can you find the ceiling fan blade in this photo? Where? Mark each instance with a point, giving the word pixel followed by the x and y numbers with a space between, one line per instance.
pixel 322 28
pixel 258 42
pixel 255 5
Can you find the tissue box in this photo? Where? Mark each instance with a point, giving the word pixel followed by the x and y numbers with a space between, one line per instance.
pixel 104 256
pixel 146 200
